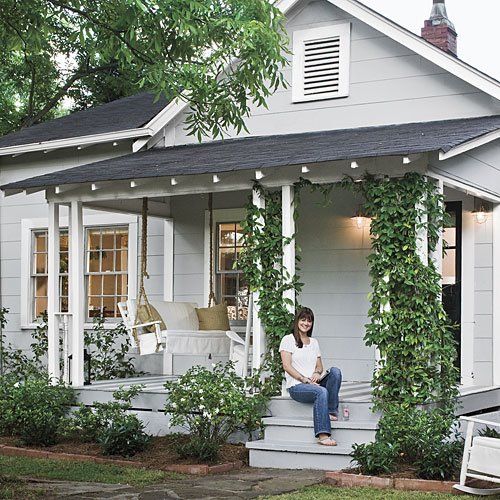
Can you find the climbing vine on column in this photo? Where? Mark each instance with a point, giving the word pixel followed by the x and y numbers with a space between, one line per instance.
pixel 407 321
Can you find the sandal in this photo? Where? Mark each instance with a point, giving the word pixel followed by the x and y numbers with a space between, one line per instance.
pixel 333 417
pixel 328 441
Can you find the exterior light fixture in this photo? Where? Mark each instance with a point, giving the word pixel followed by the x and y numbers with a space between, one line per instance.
pixel 173 181
pixel 305 169
pixel 259 175
pixel 354 164
pixel 360 218
pixel 481 215
pixel 215 179
pixel 406 160
pixel 115 144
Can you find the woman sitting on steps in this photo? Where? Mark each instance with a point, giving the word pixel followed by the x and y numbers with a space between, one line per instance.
pixel 301 360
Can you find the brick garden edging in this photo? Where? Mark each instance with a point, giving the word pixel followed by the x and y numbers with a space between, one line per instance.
pixel 358 480
pixel 197 469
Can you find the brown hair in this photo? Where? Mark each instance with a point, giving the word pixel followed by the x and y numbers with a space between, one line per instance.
pixel 305 312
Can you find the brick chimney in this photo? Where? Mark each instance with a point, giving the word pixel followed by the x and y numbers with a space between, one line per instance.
pixel 439 30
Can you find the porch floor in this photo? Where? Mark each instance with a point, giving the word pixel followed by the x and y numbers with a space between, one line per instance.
pixel 152 397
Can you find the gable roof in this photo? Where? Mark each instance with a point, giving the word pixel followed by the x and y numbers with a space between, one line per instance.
pixel 127 114
pixel 419 45
pixel 272 151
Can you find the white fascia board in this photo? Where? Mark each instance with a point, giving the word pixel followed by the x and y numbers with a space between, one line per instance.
pixel 467 146
pixel 76 141
pixel 401 35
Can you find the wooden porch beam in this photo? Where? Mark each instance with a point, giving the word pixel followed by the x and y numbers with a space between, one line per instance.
pixel 288 231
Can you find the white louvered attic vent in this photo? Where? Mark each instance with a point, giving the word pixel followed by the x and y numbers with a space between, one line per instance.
pixel 321 63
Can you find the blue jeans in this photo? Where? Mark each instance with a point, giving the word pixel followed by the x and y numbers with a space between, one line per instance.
pixel 325 398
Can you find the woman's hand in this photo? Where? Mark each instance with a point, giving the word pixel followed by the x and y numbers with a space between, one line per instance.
pixel 315 377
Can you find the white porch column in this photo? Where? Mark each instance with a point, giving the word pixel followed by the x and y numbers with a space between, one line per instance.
pixel 288 231
pixel 259 339
pixel 76 291
pixel 496 294
pixel 422 241
pixel 53 292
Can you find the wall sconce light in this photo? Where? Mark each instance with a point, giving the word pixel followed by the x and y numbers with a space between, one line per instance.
pixel 406 160
pixel 480 214
pixel 360 218
pixel 354 164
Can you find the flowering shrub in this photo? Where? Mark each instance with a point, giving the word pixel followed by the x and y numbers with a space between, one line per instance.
pixel 211 405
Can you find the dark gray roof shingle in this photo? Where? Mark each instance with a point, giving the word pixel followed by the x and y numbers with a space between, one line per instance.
pixel 122 114
pixel 272 151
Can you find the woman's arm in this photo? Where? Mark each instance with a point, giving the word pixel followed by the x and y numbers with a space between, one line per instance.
pixel 318 370
pixel 286 360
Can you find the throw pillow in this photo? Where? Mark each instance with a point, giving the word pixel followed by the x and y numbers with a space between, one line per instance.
pixel 213 318
pixel 147 313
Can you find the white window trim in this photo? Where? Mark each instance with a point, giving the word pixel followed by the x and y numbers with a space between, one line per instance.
pixel 219 215
pixel 299 37
pixel 27 227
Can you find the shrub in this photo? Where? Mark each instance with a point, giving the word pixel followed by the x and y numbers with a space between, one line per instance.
pixel 109 424
pixel 489 432
pixel 440 461
pixel 211 405
pixel 123 436
pixel 375 458
pixel 34 409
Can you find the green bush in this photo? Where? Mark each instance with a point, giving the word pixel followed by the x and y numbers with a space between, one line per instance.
pixel 110 424
pixel 124 436
pixel 375 458
pixel 489 432
pixel 34 409
pixel 211 405
pixel 440 460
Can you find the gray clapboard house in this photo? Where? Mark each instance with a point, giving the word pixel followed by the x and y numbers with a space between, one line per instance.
pixel 389 102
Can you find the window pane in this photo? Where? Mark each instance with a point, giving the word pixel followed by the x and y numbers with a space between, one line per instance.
pixel 94 239
pixel 41 286
pixel 40 306
pixel 449 267
pixel 108 240
pixel 227 234
pixel 41 242
pixel 63 243
pixel 95 284
pixel 63 262
pixel 450 236
pixel 63 286
pixel 94 306
pixel 121 238
pixel 93 261
pixel 109 307
pixel 121 284
pixel 109 285
pixel 239 235
pixel 107 260
pixel 41 263
pixel 228 284
pixel 121 260
pixel 63 304
pixel 226 259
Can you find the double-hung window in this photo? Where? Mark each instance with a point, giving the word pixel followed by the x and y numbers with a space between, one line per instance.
pixel 232 287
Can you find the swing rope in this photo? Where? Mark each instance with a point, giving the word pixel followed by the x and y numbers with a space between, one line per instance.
pixel 211 294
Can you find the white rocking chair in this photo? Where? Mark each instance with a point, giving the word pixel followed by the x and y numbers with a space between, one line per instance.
pixel 145 342
pixel 481 459
pixel 239 350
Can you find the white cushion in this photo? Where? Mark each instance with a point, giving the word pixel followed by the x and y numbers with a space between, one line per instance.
pixel 196 342
pixel 177 315
pixel 485 456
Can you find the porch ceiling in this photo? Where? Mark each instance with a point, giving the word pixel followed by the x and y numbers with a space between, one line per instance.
pixel 271 151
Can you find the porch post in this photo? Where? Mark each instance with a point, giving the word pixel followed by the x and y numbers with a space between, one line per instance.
pixel 259 339
pixel 496 294
pixel 76 291
pixel 422 242
pixel 288 231
pixel 53 292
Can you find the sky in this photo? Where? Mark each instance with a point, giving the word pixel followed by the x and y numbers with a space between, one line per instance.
pixel 477 23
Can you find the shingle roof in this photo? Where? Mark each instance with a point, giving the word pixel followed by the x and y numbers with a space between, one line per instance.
pixel 272 151
pixel 122 114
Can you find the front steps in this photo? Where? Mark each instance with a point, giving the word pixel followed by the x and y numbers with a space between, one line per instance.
pixel 289 441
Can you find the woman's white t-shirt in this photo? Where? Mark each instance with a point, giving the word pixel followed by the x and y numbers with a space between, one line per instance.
pixel 303 359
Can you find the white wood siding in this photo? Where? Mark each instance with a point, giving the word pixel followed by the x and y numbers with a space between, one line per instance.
pixel 388 84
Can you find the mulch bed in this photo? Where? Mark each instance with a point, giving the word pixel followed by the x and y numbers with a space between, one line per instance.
pixel 160 455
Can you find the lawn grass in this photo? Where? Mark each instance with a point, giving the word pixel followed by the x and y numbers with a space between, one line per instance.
pixel 15 467
pixel 322 492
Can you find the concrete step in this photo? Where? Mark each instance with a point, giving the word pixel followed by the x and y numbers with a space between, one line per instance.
pixel 285 407
pixel 282 455
pixel 302 430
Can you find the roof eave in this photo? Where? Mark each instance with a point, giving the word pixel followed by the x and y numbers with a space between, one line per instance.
pixel 86 140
